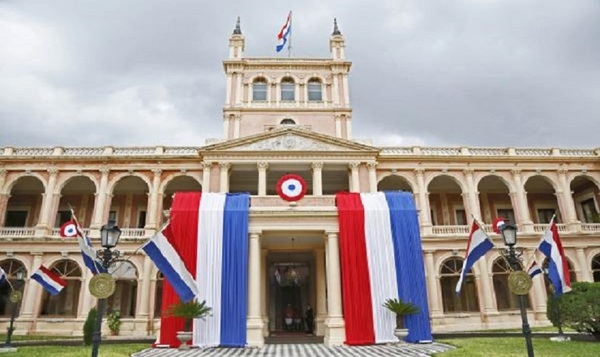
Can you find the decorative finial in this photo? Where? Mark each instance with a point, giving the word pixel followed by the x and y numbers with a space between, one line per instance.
pixel 336 30
pixel 238 29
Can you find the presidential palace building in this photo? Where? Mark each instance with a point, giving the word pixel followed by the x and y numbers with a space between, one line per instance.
pixel 290 115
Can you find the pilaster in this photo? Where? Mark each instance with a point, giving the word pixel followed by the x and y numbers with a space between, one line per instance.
pixel 224 179
pixel 255 321
pixel 372 168
pixel 321 287
pixel 335 334
pixel 354 177
pixel 262 178
pixel 317 168
pixel 206 167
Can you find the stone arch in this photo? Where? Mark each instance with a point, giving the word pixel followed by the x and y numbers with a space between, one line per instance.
pixel 64 180
pixel 15 179
pixel 393 180
pixel 588 176
pixel 494 198
pixel 68 301
pixel 24 202
pixel 178 184
pixel 485 175
pixel 16 274
pixel 449 275
pixel 259 77
pixel 542 198
pixel 451 175
pixel 115 180
pixel 585 193
pixel 167 180
pixel 446 201
pixel 545 176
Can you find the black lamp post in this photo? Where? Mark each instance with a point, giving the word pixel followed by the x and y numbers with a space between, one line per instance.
pixel 15 298
pixel 509 235
pixel 109 238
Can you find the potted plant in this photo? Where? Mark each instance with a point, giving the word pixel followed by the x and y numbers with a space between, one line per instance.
pixel 401 309
pixel 188 311
pixel 114 322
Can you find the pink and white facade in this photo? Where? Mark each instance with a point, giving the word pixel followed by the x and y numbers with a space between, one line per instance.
pixel 291 115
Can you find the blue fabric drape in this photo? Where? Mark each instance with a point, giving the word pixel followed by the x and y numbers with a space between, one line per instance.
pixel 409 262
pixel 234 289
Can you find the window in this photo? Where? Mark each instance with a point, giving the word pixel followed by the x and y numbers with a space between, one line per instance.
pixel 125 296
pixel 64 303
pixel 545 215
pixel 505 299
pixel 508 214
pixel 288 121
pixel 461 217
pixel 314 90
pixel 62 217
pixel 596 268
pixel 141 219
pixel 259 89
pixel 12 267
pixel 158 295
pixel 288 89
pixel 16 218
pixel 590 214
pixel 466 301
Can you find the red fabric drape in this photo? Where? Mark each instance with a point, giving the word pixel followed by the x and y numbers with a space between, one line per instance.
pixel 356 286
pixel 184 225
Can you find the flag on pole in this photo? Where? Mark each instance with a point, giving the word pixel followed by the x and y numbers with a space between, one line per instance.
pixel 479 243
pixel 3 276
pixel 51 281
pixel 283 34
pixel 534 269
pixel 558 268
pixel 168 261
pixel 73 229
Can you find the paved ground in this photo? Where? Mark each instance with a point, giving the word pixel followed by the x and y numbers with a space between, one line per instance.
pixel 304 350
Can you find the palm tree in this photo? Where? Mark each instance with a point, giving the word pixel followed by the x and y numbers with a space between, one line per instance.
pixel 189 311
pixel 401 309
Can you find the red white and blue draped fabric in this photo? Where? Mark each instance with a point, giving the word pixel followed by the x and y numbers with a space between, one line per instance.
pixel 558 267
pixel 210 233
pixel 381 258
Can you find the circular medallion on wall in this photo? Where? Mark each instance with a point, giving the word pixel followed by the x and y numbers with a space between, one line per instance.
pixel 291 187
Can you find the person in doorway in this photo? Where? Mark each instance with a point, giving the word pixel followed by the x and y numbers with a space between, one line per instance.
pixel 309 317
pixel 288 317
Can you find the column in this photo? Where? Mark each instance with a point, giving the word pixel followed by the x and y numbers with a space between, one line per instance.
pixel 144 311
pixel 153 212
pixel 101 195
pixel 317 168
pixel 206 166
pixel 432 290
pixel 568 204
pixel 262 178
pixel 47 204
pixel 264 291
pixel 584 264
pixel 335 335
pixel 354 179
pixel 255 322
pixel 2 177
pixel 32 290
pixel 424 210
pixel 524 219
pixel 372 167
pixel 485 280
pixel 224 182
pixel 87 299
pixel 321 308
pixel 472 196
pixel 537 293
pixel 3 206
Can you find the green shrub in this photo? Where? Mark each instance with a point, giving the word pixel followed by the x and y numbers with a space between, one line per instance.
pixel 400 308
pixel 579 309
pixel 88 326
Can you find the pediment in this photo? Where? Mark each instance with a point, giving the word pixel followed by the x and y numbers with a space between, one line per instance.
pixel 289 139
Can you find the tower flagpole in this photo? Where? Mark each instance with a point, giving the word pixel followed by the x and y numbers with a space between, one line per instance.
pixel 291 33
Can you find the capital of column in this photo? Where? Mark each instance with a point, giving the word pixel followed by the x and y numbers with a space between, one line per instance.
pixel 468 172
pixel 562 171
pixel 206 165
pixel 104 170
pixel 224 165
pixel 354 165
pixel 419 171
pixel 372 165
pixel 52 171
pixel 3 171
pixel 317 165
pixel 157 171
pixel 262 165
pixel 254 235
pixel 331 235
pixel 516 172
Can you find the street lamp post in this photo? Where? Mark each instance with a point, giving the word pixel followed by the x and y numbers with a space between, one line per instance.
pixel 519 281
pixel 109 237
pixel 15 298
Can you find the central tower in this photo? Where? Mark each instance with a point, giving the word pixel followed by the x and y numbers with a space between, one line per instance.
pixel 264 93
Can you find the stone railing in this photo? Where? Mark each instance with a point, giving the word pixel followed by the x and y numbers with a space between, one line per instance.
pixel 541 227
pixel 590 227
pixel 133 233
pixel 99 151
pixel 287 104
pixel 17 232
pixel 466 151
pixel 56 232
pixel 448 230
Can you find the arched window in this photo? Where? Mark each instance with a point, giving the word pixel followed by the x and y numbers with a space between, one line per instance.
pixel 16 273
pixel 288 121
pixel 314 90
pixel 288 89
pixel 259 89
pixel 65 303
pixel 125 296
pixel 596 268
pixel 505 299
pixel 158 295
pixel 466 301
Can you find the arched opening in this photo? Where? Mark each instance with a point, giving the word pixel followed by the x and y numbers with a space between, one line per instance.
pixel 129 203
pixel 259 89
pixel 79 193
pixel 505 299
pixel 16 274
pixel 158 292
pixel 178 184
pixel 314 89
pixel 541 200
pixel 124 298
pixel 394 183
pixel 467 300
pixel 585 196
pixel 288 121
pixel 64 303
pixel 596 268
pixel 446 202
pixel 288 89
pixel 25 203
pixel 494 200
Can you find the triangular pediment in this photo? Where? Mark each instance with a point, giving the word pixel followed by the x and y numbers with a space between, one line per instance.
pixel 289 139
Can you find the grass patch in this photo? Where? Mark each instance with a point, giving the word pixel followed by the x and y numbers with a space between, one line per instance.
pixel 39 338
pixel 515 346
pixel 108 350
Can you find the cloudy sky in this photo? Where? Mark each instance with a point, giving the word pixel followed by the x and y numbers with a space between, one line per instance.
pixel 149 72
